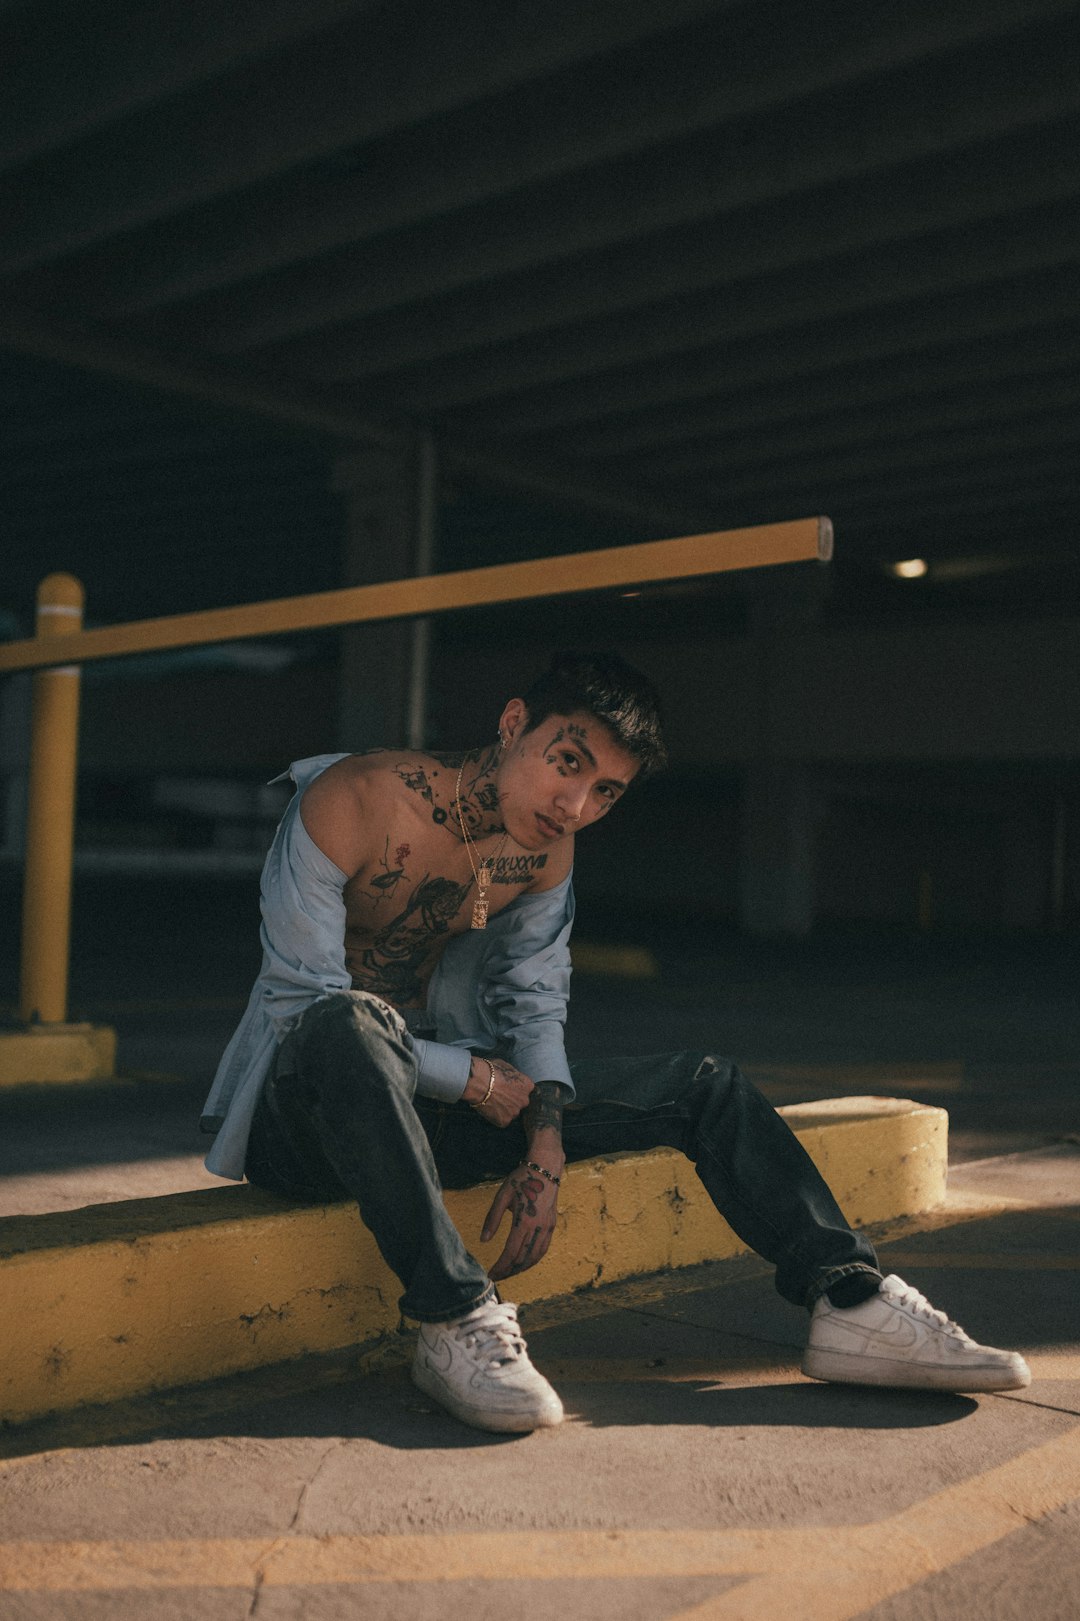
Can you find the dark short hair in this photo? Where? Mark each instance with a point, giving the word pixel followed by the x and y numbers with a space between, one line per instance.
pixel 604 685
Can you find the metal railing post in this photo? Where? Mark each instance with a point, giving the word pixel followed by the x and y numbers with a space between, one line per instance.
pixel 50 820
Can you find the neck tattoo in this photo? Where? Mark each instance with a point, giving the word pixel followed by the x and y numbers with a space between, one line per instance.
pixel 482 873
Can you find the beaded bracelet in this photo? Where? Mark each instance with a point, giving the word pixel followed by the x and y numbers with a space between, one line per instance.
pixel 549 1176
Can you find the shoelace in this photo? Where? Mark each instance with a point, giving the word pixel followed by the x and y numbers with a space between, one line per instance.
pixel 919 1306
pixel 492 1331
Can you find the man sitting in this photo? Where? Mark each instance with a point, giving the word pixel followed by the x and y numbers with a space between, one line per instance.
pixel 406 1034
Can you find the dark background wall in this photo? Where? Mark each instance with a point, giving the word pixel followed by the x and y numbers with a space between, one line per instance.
pixel 607 273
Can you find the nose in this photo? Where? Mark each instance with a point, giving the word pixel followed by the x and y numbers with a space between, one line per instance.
pixel 571 801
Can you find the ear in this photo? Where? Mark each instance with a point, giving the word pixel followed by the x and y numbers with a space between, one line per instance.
pixel 513 720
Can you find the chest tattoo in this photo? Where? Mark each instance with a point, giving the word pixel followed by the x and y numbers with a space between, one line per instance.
pixel 385 883
pixel 397 955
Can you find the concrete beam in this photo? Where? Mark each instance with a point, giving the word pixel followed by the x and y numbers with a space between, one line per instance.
pixel 1030 351
pixel 356 81
pixel 120 1299
pixel 86 64
pixel 284 403
pixel 49 339
pixel 1040 401
pixel 869 295
pixel 879 456
pixel 677 343
pixel 704 179
pixel 546 130
pixel 712 250
pixel 973 485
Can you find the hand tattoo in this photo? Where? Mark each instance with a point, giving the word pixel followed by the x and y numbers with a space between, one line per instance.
pixel 527 1190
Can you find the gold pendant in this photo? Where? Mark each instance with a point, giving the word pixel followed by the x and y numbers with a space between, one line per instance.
pixel 480 904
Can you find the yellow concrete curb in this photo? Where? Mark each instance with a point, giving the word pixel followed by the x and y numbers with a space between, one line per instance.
pixel 57 1053
pixel 122 1299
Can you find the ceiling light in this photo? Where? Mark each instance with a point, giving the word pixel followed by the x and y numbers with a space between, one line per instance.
pixel 913 568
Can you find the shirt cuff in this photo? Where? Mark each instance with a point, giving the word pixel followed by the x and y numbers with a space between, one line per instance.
pixel 442 1071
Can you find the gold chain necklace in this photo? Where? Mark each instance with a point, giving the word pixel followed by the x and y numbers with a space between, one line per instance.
pixel 481 874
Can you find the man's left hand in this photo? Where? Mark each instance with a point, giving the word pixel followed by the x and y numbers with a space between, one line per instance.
pixel 532 1201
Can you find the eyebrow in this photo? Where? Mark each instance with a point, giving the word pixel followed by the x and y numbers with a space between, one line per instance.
pixel 583 748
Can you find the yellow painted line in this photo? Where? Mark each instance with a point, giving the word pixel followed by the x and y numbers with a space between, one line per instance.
pixel 758 1370
pixel 819 1573
pixel 988 1261
pixel 621 962
pixel 837 1575
pixel 838 1078
pixel 765 1369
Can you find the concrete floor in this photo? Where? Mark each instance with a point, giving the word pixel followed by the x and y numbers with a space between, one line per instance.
pixel 698 1474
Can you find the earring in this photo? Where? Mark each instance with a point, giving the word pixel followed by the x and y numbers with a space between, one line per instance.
pixel 502 740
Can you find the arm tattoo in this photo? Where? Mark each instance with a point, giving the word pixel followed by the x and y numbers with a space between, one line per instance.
pixel 386 882
pixel 545 1107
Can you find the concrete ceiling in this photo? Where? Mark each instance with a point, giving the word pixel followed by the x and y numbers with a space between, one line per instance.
pixel 673 263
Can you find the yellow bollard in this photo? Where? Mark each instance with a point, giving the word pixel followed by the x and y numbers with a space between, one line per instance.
pixel 50 827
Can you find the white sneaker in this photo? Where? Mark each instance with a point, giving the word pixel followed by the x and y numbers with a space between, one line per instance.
pixel 897 1338
pixel 478 1368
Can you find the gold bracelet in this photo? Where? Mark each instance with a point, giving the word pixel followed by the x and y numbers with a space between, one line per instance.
pixel 491 1085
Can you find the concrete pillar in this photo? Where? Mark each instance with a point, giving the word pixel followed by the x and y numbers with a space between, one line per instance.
pixel 781 810
pixel 1026 884
pixel 782 804
pixel 390 513
pixel 15 694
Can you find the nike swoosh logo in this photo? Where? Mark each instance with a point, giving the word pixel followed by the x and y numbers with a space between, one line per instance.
pixel 902 1337
pixel 439 1355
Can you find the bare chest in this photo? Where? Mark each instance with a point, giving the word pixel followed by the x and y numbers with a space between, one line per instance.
pixel 406 905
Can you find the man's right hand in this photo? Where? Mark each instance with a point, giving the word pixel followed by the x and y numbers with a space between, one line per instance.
pixel 509 1093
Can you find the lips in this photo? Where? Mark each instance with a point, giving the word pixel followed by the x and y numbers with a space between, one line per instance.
pixel 550 829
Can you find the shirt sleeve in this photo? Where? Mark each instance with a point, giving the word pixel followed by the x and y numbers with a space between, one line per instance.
pixel 527 987
pixel 441 1071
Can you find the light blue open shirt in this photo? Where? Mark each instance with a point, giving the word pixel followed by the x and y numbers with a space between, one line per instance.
pixel 505 986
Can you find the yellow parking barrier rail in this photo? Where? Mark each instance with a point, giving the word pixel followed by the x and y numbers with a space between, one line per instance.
pixel 60 646
pixel 647 563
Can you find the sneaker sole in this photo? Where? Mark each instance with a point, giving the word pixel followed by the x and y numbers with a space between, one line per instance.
pixel 840 1368
pixel 508 1422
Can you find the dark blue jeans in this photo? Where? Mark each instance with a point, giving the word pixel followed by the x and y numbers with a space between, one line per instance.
pixel 339 1117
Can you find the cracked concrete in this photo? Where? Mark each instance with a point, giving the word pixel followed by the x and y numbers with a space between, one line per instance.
pixel 696 1466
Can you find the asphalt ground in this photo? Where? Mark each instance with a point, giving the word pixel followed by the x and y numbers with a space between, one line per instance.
pixel 698 1473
